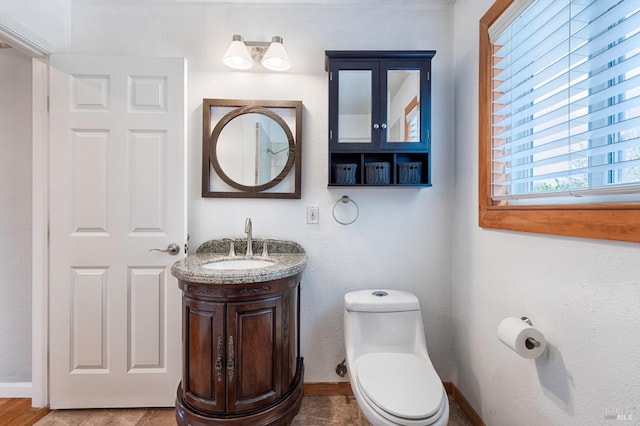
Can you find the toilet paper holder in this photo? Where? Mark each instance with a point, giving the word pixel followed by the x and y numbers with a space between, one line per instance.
pixel 530 343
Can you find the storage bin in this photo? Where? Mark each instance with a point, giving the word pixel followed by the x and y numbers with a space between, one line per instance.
pixel 377 173
pixel 345 174
pixel 409 172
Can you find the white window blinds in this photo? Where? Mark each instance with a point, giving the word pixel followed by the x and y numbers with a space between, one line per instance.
pixel 566 100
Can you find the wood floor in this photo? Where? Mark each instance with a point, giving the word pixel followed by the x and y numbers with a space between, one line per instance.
pixel 18 412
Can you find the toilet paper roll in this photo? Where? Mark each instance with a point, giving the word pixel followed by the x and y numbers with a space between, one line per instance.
pixel 522 338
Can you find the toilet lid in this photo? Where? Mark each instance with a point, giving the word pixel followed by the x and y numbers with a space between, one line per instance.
pixel 401 384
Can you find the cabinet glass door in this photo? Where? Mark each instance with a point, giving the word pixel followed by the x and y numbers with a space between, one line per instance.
pixel 404 95
pixel 403 106
pixel 354 106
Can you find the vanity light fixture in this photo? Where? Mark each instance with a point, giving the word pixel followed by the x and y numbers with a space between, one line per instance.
pixel 241 55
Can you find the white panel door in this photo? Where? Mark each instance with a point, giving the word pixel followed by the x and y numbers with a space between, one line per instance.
pixel 117 190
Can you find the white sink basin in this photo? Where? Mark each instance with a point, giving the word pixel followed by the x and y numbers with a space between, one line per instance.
pixel 226 264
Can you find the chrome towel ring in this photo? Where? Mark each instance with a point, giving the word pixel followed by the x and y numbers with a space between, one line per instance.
pixel 346 200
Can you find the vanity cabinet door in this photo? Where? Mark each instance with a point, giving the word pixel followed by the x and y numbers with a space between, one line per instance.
pixel 203 380
pixel 254 353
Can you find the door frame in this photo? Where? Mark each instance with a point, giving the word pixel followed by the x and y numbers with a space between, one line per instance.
pixel 39 50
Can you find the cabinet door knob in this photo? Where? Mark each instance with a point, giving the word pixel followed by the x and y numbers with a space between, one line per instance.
pixel 383 125
pixel 376 126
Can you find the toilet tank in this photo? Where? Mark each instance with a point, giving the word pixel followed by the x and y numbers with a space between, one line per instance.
pixel 383 321
pixel 381 301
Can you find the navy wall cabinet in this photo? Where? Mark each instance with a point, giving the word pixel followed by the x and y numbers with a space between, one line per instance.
pixel 379 117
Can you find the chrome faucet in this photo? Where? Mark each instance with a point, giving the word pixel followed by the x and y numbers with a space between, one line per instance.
pixel 247 230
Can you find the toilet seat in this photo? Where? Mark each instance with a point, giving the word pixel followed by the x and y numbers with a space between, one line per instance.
pixel 403 386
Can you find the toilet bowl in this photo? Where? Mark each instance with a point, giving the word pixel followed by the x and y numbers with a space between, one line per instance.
pixel 391 375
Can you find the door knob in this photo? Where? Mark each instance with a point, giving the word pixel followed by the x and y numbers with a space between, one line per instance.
pixel 172 249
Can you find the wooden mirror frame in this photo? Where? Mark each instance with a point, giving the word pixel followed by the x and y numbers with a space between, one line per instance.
pixel 209 143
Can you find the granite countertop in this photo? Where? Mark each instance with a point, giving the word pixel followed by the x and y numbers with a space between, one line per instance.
pixel 289 259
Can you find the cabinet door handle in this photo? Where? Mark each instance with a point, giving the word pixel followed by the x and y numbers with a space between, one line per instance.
pixel 383 126
pixel 376 126
pixel 230 359
pixel 219 359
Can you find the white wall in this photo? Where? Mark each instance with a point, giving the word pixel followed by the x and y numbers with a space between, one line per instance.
pixel 582 294
pixel 402 238
pixel 15 217
pixel 48 20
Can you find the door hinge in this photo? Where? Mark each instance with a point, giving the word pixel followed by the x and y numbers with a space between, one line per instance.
pixel 428 75
pixel 330 134
pixel 330 75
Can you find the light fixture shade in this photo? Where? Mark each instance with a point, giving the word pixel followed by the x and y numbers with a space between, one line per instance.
pixel 276 58
pixel 237 55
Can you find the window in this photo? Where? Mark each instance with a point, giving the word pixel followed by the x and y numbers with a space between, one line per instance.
pixel 560 117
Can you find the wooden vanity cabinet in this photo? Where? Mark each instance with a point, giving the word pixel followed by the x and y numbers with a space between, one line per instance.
pixel 241 362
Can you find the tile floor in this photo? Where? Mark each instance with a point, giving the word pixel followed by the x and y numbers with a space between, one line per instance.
pixel 315 411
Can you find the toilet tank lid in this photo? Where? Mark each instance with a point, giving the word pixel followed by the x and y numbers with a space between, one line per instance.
pixel 381 300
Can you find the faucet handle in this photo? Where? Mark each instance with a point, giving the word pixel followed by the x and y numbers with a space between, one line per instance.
pixel 232 249
pixel 265 250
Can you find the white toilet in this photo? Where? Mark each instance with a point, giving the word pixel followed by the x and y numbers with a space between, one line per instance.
pixel 391 374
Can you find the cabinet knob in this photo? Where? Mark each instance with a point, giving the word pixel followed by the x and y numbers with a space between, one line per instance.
pixel 376 126
pixel 383 125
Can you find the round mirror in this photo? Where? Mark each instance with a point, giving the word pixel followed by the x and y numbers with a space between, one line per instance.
pixel 252 148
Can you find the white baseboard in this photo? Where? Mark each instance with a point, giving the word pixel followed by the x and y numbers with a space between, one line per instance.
pixel 15 390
